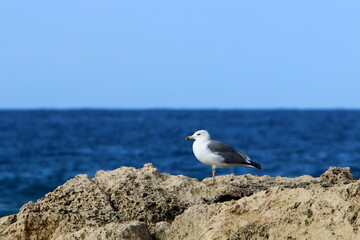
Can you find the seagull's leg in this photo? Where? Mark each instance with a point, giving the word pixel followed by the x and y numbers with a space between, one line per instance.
pixel 213 173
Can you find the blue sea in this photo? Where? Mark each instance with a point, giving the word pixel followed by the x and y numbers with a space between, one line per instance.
pixel 41 149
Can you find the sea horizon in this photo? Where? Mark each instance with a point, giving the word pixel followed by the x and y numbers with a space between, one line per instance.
pixel 179 109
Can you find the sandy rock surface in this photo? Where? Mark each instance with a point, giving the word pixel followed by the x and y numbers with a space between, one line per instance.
pixel 129 203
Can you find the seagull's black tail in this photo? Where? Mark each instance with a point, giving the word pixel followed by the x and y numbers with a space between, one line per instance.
pixel 254 165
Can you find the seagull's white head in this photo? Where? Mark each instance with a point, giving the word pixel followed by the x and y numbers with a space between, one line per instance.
pixel 201 135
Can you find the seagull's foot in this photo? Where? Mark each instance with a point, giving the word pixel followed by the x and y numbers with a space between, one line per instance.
pixel 213 182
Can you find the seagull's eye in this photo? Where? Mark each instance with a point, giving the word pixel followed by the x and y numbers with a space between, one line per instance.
pixel 198 134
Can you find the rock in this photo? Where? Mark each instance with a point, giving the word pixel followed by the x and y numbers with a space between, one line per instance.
pixel 162 230
pixel 76 204
pixel 336 175
pixel 277 213
pixel 129 203
pixel 147 195
pixel 111 231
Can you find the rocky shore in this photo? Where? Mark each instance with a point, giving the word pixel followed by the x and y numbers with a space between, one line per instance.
pixel 129 203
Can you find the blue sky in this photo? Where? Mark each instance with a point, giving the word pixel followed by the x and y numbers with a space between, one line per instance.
pixel 180 54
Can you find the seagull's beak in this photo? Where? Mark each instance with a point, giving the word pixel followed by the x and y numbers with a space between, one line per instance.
pixel 189 137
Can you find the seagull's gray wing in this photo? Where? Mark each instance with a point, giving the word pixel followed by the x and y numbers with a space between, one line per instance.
pixel 230 155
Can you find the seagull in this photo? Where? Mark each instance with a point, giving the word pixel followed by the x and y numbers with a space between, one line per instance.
pixel 217 154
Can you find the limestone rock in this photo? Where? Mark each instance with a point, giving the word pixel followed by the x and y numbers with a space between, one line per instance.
pixel 129 203
pixel 147 195
pixel 277 213
pixel 336 175
pixel 111 231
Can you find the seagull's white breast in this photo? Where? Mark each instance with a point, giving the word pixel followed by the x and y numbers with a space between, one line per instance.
pixel 204 155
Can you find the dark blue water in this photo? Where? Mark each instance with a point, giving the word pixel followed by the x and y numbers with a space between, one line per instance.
pixel 40 150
